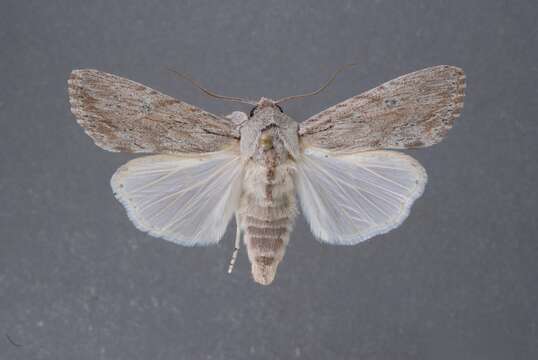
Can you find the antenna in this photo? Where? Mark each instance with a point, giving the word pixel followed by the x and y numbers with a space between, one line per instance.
pixel 327 83
pixel 210 93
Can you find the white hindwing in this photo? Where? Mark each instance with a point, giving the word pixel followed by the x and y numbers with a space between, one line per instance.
pixel 348 198
pixel 186 199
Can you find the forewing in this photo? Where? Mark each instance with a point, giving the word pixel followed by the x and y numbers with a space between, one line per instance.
pixel 122 115
pixel 348 198
pixel 414 110
pixel 185 199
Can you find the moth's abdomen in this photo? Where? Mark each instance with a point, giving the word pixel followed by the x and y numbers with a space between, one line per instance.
pixel 267 213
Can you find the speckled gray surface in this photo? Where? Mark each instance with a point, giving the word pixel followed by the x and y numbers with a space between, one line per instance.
pixel 459 280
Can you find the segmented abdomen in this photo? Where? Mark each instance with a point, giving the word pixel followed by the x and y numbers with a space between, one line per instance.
pixel 267 213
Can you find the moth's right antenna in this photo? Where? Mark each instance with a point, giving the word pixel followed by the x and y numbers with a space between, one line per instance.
pixel 327 83
pixel 211 93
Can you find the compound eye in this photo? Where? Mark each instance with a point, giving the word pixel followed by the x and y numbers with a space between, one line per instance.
pixel 251 114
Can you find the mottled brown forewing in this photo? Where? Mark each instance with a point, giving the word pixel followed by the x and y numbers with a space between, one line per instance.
pixel 122 115
pixel 414 110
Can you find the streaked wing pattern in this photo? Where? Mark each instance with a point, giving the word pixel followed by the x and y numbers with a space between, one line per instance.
pixel 122 115
pixel 414 110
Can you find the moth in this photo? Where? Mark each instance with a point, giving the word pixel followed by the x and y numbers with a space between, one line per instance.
pixel 209 168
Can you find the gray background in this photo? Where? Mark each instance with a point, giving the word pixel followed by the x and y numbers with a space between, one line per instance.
pixel 459 280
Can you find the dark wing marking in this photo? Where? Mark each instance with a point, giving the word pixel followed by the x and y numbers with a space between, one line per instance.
pixel 122 115
pixel 414 110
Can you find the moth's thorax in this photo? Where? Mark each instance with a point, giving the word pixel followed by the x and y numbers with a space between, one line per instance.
pixel 270 148
pixel 269 121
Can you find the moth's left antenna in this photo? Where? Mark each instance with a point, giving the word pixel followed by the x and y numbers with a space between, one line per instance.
pixel 211 93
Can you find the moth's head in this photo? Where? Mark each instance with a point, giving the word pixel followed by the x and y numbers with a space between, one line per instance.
pixel 265 103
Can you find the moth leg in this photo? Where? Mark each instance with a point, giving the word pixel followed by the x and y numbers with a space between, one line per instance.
pixel 237 244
